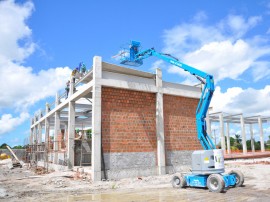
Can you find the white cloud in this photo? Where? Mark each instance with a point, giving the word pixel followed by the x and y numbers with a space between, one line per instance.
pixel 219 49
pixel 15 35
pixel 238 26
pixel 158 64
pixel 261 70
pixel 20 86
pixel 237 100
pixel 200 16
pixel 8 122
pixel 223 59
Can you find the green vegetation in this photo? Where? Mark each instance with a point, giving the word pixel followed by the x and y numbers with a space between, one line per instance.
pixel 236 143
pixel 89 133
pixel 4 146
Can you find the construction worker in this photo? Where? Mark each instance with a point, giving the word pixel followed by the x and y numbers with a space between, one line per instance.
pixel 83 68
pixel 67 88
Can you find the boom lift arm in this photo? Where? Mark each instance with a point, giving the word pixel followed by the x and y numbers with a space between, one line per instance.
pixel 136 59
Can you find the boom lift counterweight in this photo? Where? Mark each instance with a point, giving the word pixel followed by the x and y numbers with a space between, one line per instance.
pixel 207 164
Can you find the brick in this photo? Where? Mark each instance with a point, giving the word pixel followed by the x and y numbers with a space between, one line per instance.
pixel 128 121
pixel 180 123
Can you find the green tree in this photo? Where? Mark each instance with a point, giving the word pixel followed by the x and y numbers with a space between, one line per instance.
pixel 238 139
pixel 4 146
pixel 18 147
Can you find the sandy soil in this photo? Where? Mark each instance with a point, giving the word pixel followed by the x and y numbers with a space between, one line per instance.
pixel 22 184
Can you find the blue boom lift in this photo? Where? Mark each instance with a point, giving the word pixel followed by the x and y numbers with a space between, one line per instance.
pixel 208 164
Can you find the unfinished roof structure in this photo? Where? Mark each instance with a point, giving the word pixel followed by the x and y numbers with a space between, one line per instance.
pixel 225 119
pixel 139 124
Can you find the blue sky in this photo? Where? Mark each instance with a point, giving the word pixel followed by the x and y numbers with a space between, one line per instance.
pixel 41 41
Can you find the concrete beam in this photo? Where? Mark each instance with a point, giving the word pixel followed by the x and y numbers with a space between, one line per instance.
pixel 96 118
pixel 127 85
pixel 261 134
pixel 85 90
pixel 181 90
pixel 243 132
pixel 160 125
pixel 123 70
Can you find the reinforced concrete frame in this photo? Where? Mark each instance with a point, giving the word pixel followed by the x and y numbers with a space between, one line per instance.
pixel 83 107
pixel 223 117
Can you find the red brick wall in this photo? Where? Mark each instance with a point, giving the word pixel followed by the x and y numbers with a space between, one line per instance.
pixel 180 123
pixel 128 121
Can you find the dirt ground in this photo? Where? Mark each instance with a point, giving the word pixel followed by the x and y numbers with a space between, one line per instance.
pixel 23 184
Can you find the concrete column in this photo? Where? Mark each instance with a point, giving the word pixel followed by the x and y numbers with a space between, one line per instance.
pixel 221 130
pixel 160 125
pixel 261 133
pixel 71 134
pixel 66 136
pixel 39 140
pixel 47 126
pixel 47 133
pixel 96 119
pixel 56 130
pixel 71 86
pixel 228 138
pixel 35 134
pixel 208 124
pixel 252 138
pixel 31 136
pixel 243 132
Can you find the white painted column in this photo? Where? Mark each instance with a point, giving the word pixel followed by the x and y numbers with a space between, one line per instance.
pixel 47 126
pixel 56 130
pixel 39 139
pixel 96 119
pixel 71 86
pixel 243 132
pixel 35 134
pixel 71 134
pixel 47 133
pixel 31 136
pixel 261 133
pixel 228 138
pixel 221 130
pixel 160 125
pixel 252 138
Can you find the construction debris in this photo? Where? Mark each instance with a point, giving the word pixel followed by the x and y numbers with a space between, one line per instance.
pixel 16 162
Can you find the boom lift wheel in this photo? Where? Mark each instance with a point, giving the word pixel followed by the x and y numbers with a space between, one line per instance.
pixel 239 177
pixel 178 181
pixel 215 183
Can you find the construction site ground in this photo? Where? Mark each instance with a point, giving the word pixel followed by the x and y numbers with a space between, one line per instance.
pixel 24 184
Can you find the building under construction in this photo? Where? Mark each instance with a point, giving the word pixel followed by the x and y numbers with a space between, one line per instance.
pixel 121 122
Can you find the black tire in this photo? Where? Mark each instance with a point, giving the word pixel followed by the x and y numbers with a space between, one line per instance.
pixel 179 181
pixel 215 183
pixel 239 177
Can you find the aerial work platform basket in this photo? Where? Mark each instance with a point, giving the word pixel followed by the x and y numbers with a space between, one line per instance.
pixel 128 56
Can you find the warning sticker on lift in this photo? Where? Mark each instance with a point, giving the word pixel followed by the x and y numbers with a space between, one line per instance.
pixel 219 159
pixel 206 160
